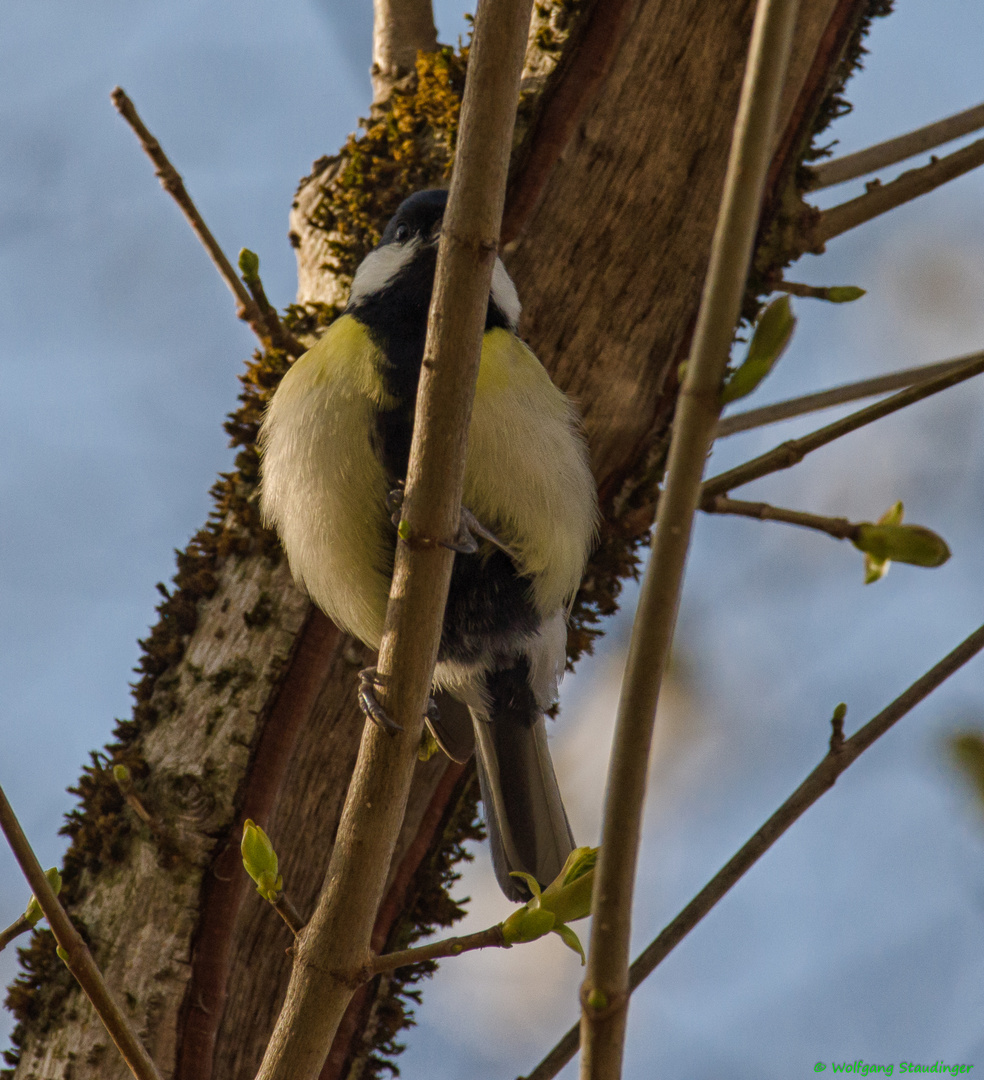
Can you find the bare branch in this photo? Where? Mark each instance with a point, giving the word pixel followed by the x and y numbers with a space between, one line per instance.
pixel 838 528
pixel 604 995
pixel 16 928
pixel 892 151
pixel 838 395
pixel 880 198
pixel 266 325
pixel 291 916
pixel 400 29
pixel 842 754
pixel 333 947
pixel 75 953
pixel 454 946
pixel 832 293
pixel 792 453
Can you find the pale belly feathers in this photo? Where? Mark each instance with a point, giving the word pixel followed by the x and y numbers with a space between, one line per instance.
pixel 526 474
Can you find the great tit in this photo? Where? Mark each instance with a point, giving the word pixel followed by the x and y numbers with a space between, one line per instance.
pixel 335 443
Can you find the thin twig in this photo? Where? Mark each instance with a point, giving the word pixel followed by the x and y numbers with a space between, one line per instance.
pixel 436 950
pixel 792 452
pixel 880 198
pixel 842 754
pixel 838 528
pixel 813 292
pixel 16 928
pixel 333 947
pixel 76 955
pixel 838 395
pixel 291 916
pixel 892 151
pixel 276 334
pixel 124 781
pixel 604 995
pixel 266 326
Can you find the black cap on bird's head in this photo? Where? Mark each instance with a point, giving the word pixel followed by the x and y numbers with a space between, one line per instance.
pixel 393 283
pixel 419 217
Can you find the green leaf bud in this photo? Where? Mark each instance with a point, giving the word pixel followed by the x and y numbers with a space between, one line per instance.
pixel 876 567
pixel 124 781
pixel 33 913
pixel 527 924
pixel 844 294
pixel 597 999
pixel 429 746
pixel 249 266
pixel 571 940
pixel 260 861
pixel 911 544
pixel 773 332
pixel 568 896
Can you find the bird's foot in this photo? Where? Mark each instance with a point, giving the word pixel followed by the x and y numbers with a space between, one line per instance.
pixel 470 529
pixel 369 678
pixel 394 503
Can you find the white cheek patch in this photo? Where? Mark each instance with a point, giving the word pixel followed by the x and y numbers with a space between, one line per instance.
pixel 379 268
pixel 504 294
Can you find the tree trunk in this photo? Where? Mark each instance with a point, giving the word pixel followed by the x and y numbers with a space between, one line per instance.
pixel 247 705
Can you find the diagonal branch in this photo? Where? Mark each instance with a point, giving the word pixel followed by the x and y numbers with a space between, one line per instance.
pixel 838 528
pixel 880 198
pixel 843 753
pixel 332 949
pixel 74 951
pixel 16 928
pixel 490 938
pixel 792 453
pixel 604 994
pixel 266 325
pixel 838 395
pixel 892 151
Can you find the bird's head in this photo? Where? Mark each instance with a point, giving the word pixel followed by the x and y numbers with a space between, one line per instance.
pixel 402 264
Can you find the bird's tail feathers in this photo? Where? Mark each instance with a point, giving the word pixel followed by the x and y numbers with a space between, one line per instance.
pixel 524 813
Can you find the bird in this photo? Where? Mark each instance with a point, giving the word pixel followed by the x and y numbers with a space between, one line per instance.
pixel 334 447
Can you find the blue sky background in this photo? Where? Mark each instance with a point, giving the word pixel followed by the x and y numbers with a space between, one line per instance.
pixel 859 935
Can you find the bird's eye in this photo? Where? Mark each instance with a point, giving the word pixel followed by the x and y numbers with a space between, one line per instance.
pixel 402 234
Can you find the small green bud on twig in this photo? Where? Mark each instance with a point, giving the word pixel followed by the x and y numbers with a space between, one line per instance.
pixel 249 266
pixel 844 294
pixel 834 294
pixel 773 332
pixel 428 746
pixel 597 999
pixel 837 728
pixel 33 913
pixel 889 539
pixel 260 861
pixel 565 899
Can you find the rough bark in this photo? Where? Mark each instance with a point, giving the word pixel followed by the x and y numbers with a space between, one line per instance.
pixel 257 717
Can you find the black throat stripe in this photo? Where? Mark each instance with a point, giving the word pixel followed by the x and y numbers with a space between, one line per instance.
pixel 489 602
